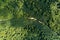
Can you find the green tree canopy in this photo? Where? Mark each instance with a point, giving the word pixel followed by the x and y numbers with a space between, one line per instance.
pixel 29 20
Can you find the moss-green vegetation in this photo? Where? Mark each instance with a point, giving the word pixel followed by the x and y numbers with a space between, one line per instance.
pixel 29 20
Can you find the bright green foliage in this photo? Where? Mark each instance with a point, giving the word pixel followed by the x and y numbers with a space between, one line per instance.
pixel 55 19
pixel 17 23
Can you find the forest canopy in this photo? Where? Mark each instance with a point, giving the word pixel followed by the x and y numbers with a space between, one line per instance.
pixel 29 19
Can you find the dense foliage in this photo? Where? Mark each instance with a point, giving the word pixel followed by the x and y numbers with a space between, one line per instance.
pixel 29 20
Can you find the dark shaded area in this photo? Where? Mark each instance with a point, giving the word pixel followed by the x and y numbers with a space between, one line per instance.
pixel 58 5
pixel 17 22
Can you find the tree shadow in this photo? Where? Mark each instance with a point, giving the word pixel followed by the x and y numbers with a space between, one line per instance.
pixel 17 22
